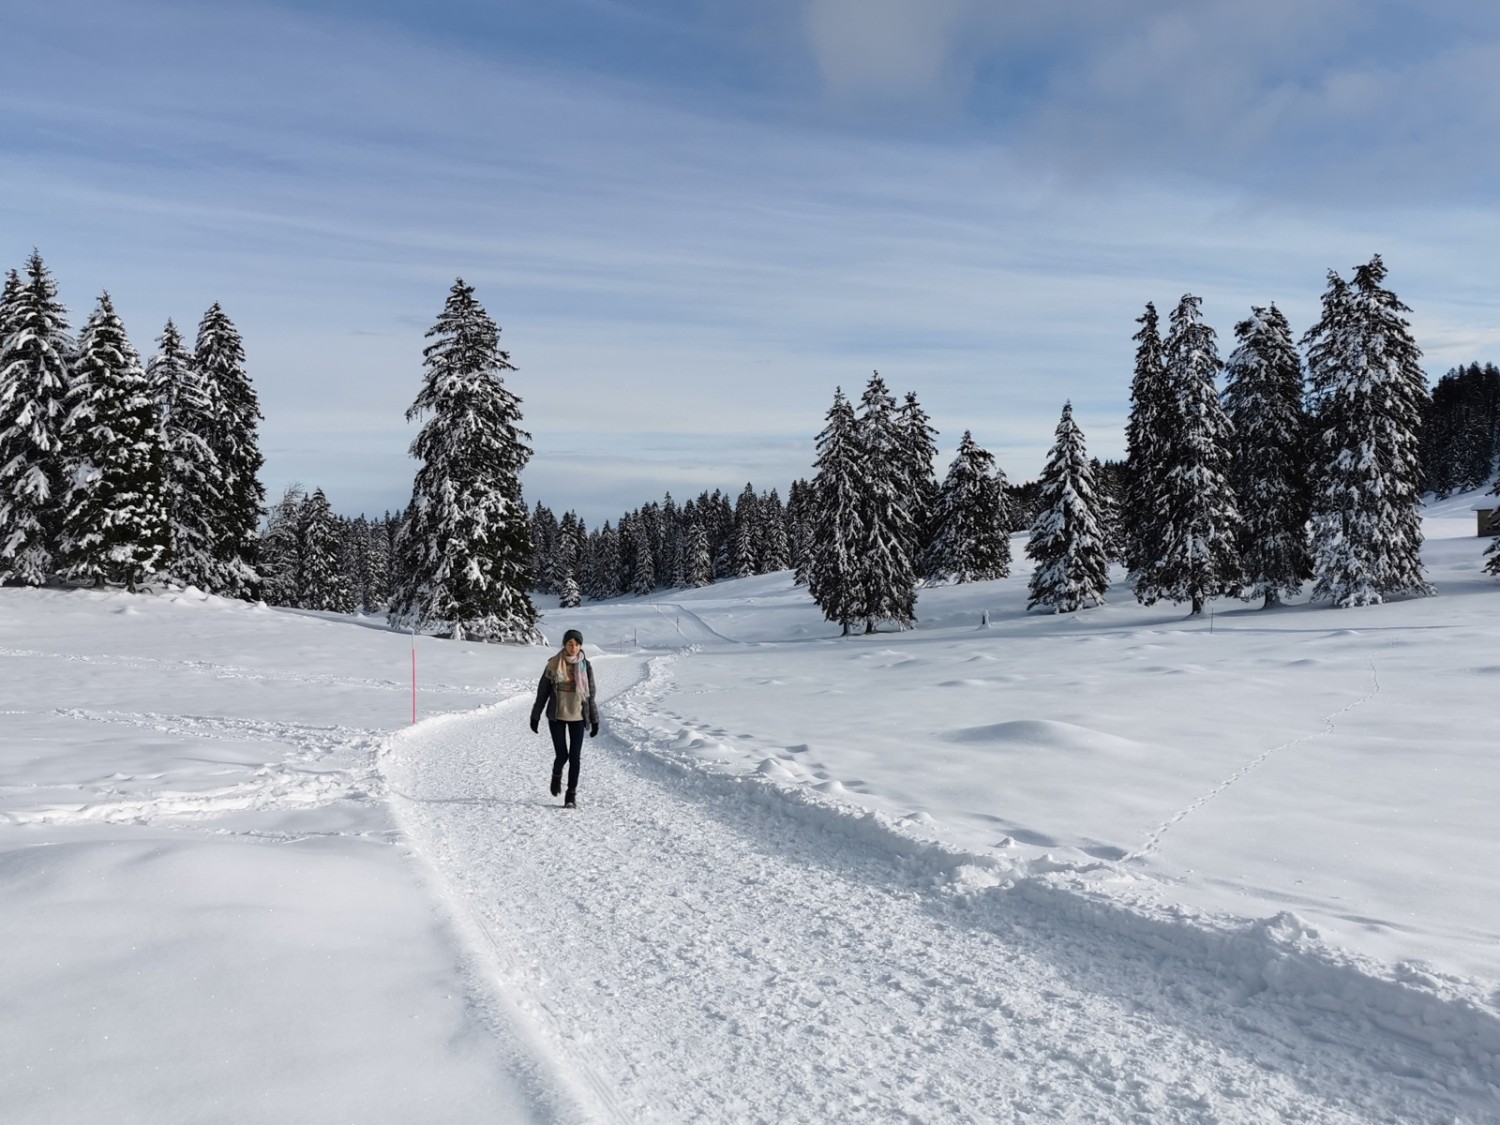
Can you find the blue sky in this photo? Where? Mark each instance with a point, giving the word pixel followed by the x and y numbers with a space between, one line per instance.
pixel 694 219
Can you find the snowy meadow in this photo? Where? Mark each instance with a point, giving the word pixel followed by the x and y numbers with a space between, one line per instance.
pixel 1117 865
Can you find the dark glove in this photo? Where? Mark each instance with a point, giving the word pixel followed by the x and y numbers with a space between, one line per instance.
pixel 594 731
pixel 533 724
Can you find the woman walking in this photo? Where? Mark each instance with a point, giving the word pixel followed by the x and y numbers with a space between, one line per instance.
pixel 566 692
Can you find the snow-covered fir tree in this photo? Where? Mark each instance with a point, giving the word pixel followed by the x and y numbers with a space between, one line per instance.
pixel 279 554
pixel 1263 399
pixel 686 515
pixel 627 546
pixel 642 565
pixel 886 579
pixel 219 358
pixel 543 547
pixel 700 563
pixel 970 520
pixel 1367 393
pixel 355 550
pixel 651 524
pixel 465 543
pixel 36 350
pixel 377 561
pixel 746 559
pixel 1067 544
pixel 716 514
pixel 801 518
pixel 588 572
pixel 1109 484
pixel 192 484
pixel 833 569
pixel 567 560
pixel 775 547
pixel 1195 555
pixel 324 579
pixel 115 525
pixel 918 451
pixel 605 576
pixel 671 543
pixel 1145 471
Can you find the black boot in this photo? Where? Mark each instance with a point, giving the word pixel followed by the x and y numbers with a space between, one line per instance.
pixel 556 786
pixel 569 802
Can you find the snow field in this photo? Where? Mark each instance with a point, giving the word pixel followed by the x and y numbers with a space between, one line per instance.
pixel 207 914
pixel 698 946
pixel 1115 866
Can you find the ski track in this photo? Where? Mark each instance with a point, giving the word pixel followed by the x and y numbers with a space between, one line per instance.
pixel 693 947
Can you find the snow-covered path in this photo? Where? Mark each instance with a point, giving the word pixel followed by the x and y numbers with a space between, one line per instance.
pixel 692 947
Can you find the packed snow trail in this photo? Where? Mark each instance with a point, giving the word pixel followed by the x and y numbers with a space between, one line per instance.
pixel 692 951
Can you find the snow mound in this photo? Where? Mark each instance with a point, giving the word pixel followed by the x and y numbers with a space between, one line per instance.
pixel 1048 734
pixel 775 771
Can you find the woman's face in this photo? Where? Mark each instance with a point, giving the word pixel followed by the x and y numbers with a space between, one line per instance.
pixel 571 647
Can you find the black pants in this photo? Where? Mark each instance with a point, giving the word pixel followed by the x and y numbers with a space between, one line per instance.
pixel 567 741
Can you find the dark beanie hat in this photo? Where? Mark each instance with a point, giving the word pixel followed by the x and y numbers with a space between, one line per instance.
pixel 573 635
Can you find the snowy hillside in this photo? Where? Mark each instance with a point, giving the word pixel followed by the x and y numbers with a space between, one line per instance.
pixel 1113 866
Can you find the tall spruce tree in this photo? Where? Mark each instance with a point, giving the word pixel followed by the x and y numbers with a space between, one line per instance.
pixel 192 483
pixel 970 520
pixel 280 549
pixel 116 527
pixel 833 567
pixel 1263 399
pixel 606 565
pixel 1145 469
pixel 671 542
pixel 36 352
pixel 543 547
pixel 378 566
pixel 642 565
pixel 567 560
pixel 1196 552
pixel 801 513
pixel 1067 544
pixel 886 583
pixel 699 570
pixel 1368 392
pixel 465 543
pixel 356 549
pixel 775 546
pixel 745 560
pixel 718 520
pixel 918 450
pixel 323 576
pixel 219 358
pixel 651 524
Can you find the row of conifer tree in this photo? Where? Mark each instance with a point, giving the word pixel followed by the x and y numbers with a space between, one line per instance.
pixel 1291 474
pixel 117 471
pixel 317 560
